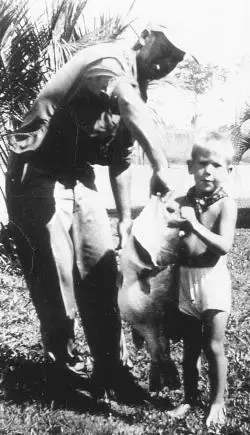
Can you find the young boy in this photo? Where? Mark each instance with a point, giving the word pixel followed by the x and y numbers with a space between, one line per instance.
pixel 208 219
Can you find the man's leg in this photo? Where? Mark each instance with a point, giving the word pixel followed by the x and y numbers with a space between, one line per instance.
pixel 41 224
pixel 97 292
pixel 215 322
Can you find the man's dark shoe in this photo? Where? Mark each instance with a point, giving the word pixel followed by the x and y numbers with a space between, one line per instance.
pixel 62 376
pixel 75 367
pixel 118 384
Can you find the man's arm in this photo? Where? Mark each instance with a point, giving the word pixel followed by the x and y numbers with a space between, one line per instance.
pixel 138 120
pixel 120 179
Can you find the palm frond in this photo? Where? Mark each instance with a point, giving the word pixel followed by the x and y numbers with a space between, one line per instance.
pixel 72 14
pixel 240 145
pixel 107 30
pixel 33 49
pixel 9 11
pixel 63 49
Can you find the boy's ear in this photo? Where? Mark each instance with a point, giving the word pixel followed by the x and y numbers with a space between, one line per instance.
pixel 190 166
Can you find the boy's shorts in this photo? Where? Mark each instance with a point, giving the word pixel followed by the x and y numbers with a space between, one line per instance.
pixel 204 288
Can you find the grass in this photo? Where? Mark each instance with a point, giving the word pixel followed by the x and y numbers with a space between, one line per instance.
pixel 28 407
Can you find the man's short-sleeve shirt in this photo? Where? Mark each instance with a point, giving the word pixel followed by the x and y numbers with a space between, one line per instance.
pixel 75 118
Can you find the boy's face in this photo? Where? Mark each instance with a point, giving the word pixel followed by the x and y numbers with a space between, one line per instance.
pixel 210 170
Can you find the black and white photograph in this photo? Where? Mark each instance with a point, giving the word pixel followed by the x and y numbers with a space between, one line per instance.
pixel 124 217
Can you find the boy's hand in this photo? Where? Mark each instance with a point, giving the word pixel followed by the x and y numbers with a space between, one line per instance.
pixel 181 224
pixel 188 215
pixel 186 222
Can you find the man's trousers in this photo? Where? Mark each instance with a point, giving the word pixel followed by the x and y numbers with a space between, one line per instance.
pixel 64 242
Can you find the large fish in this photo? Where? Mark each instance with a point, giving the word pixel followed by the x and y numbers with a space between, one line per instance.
pixel 148 291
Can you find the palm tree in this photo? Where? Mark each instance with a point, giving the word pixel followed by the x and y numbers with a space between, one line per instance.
pixel 31 50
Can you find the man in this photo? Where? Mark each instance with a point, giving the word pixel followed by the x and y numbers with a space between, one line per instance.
pixel 88 113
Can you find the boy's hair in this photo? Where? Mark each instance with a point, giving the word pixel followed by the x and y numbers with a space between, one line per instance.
pixel 203 140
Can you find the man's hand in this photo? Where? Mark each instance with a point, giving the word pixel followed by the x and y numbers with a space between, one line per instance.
pixel 123 229
pixel 159 183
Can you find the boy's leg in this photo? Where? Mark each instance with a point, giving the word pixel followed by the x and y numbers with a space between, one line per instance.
pixel 192 342
pixel 215 322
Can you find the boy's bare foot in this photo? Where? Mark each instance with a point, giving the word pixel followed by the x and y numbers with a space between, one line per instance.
pixel 180 411
pixel 217 415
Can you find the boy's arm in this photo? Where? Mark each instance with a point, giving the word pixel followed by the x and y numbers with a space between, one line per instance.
pixel 219 243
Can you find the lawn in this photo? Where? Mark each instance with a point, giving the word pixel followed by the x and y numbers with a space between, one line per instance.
pixel 28 407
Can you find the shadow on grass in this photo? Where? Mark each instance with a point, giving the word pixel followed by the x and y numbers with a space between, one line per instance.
pixel 24 381
pixel 161 403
